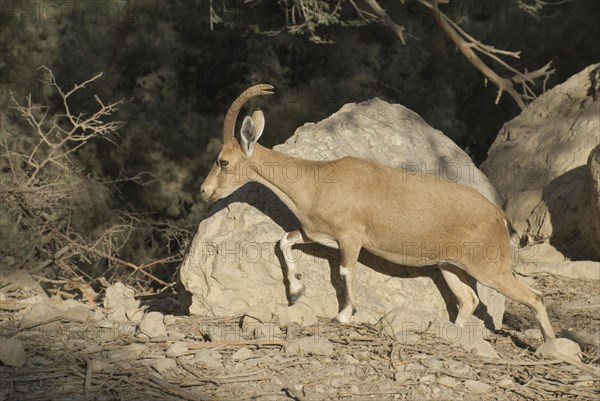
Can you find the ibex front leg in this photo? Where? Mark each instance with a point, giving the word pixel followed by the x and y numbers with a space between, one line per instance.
pixel 286 242
pixel 349 248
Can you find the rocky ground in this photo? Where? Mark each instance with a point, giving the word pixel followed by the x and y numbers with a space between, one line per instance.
pixel 56 349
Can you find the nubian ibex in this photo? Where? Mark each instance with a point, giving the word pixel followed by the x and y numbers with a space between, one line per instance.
pixel 379 208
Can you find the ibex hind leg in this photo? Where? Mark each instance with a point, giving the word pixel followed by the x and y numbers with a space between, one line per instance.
pixel 503 281
pixel 296 288
pixel 458 282
pixel 349 246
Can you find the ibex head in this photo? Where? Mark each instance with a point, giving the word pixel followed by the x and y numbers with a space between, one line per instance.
pixel 224 178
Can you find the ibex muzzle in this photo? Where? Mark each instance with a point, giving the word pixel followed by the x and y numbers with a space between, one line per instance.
pixel 384 210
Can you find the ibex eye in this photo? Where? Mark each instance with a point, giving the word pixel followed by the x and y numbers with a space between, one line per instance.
pixel 223 163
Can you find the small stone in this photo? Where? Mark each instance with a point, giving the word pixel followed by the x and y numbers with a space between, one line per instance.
pixel 117 316
pixel 266 360
pixel 402 377
pixel 39 360
pixel 349 359
pixel 427 379
pixel 39 314
pixel 454 364
pixel 242 354
pixel 460 369
pixel 22 280
pixel 413 367
pixel 119 297
pixel 152 326
pixel 101 366
pixel 93 348
pixel 176 349
pixel 468 337
pixel 338 381
pixel 388 385
pixel 402 320
pixel 248 323
pixel 479 346
pixel 12 353
pixel 164 365
pixel 432 363
pixel 253 328
pixel 261 312
pixel 134 315
pixel 335 371
pixel 298 313
pixel 268 331
pixel 448 381
pixel 562 346
pixel 106 324
pixel 476 386
pixel 276 381
pixel 222 333
pixel 77 314
pixel 176 335
pixel 68 304
pixel 314 345
pixel 36 299
pixel 128 352
pixel 362 356
pixel 320 389
pixel 98 315
pixel 505 382
pixel 354 389
pixel 209 358
pixel 169 320
pixel 292 332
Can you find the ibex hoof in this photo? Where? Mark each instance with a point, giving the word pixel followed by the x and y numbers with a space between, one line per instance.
pixel 294 296
pixel 345 315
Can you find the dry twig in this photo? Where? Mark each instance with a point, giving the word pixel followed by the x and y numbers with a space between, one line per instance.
pixel 52 201
pixel 468 45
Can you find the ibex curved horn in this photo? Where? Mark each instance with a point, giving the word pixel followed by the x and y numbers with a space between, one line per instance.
pixel 234 109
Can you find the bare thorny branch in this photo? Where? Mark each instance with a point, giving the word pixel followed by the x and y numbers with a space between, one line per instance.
pixel 64 133
pixel 387 21
pixel 306 15
pixel 43 207
pixel 469 47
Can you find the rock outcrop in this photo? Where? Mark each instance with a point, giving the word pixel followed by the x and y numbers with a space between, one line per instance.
pixel 538 164
pixel 589 219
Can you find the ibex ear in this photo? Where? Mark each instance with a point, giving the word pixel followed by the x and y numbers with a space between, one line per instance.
pixel 252 129
pixel 259 122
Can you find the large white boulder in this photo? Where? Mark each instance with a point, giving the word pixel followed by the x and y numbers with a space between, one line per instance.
pixel 538 164
pixel 234 267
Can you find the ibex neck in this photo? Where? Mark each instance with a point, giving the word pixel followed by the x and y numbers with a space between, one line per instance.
pixel 288 177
